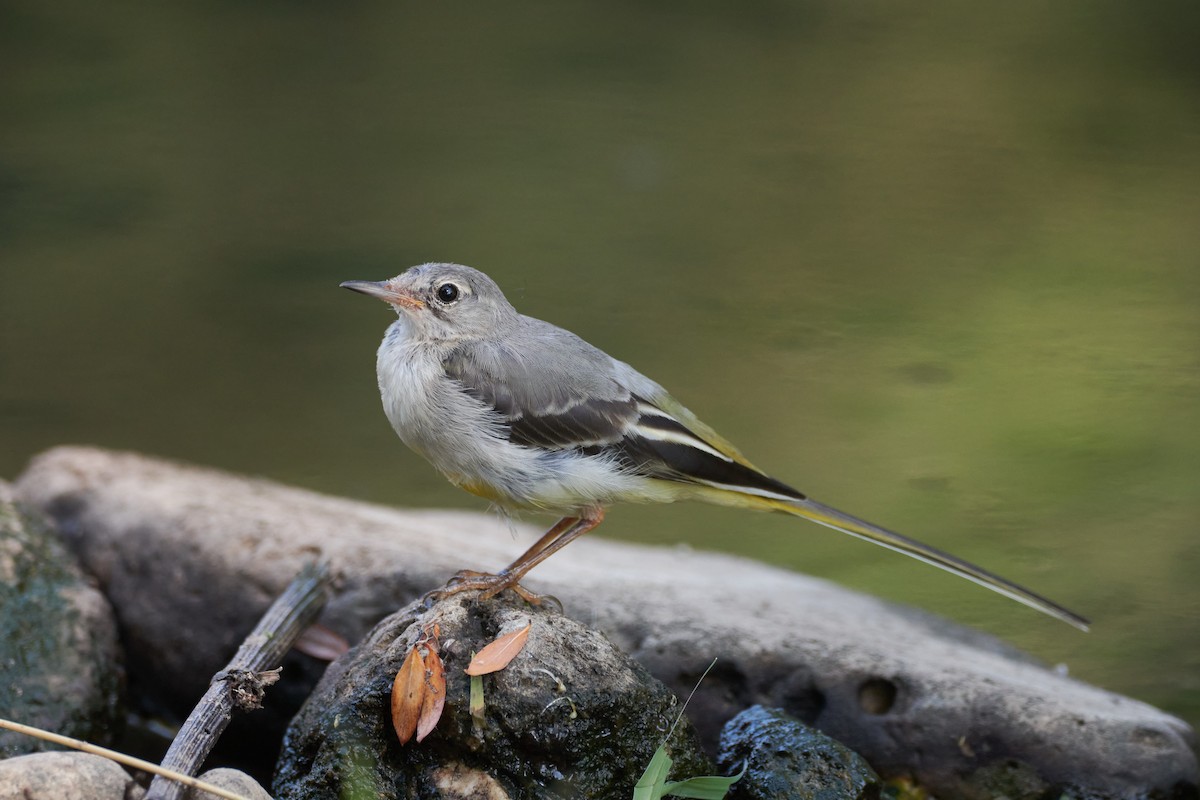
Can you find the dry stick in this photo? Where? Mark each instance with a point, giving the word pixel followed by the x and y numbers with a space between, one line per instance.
pixel 113 755
pixel 242 682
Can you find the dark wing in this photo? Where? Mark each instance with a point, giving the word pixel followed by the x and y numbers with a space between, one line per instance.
pixel 552 390
pixel 661 446
pixel 557 392
pixel 587 424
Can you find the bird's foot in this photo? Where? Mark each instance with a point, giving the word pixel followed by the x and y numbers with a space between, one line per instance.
pixel 489 585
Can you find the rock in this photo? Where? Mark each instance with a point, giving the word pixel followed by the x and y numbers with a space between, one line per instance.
pixel 570 717
pixel 785 759
pixel 231 780
pixel 59 657
pixel 65 776
pixel 172 543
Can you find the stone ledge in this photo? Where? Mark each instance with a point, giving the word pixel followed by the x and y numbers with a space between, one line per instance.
pixel 190 557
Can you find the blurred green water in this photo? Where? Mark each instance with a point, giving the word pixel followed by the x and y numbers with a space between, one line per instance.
pixel 935 264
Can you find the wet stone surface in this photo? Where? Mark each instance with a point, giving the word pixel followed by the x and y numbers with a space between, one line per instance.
pixel 570 717
pixel 787 760
pixel 59 657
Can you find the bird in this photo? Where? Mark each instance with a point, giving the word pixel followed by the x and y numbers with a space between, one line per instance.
pixel 531 417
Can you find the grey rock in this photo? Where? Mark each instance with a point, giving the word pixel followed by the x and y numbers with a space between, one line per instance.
pixel 231 780
pixel 570 717
pixel 59 657
pixel 172 543
pixel 784 759
pixel 65 776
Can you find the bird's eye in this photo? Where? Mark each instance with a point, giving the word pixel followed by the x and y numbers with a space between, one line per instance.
pixel 447 293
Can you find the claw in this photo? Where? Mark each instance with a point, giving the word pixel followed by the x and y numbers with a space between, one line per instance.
pixel 465 575
pixel 489 584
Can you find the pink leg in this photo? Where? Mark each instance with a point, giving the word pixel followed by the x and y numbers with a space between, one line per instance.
pixel 565 531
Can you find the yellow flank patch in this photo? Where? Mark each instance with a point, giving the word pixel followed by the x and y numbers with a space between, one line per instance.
pixel 480 490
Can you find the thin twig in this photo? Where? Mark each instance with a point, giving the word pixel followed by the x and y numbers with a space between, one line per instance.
pixel 241 684
pixel 120 758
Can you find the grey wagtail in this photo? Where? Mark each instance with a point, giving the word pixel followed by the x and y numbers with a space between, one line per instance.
pixel 530 416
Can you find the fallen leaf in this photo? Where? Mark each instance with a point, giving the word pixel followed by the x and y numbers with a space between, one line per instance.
pixel 429 636
pixel 497 655
pixel 408 695
pixel 435 695
pixel 321 642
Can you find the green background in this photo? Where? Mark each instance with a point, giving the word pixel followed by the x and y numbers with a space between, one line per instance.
pixel 937 264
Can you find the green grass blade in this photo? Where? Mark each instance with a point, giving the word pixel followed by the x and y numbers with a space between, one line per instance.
pixel 476 704
pixel 650 785
pixel 706 787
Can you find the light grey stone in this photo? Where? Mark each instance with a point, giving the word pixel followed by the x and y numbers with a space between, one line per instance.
pixel 231 780
pixel 167 541
pixel 65 776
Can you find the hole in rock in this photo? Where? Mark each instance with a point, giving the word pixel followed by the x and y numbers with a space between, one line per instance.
pixel 877 695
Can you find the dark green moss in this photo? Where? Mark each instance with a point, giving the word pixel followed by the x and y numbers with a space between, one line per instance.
pixel 58 666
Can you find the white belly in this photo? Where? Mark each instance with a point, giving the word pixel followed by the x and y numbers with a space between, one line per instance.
pixel 467 441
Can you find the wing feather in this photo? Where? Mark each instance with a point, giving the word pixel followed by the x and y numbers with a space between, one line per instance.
pixel 593 404
pixel 544 399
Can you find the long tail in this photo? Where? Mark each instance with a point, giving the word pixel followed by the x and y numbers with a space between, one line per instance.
pixel 669 443
pixel 831 517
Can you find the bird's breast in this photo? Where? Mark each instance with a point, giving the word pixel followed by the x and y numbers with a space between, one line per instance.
pixel 420 402
pixel 468 441
pixel 462 437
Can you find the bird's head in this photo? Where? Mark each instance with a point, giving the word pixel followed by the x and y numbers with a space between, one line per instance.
pixel 443 301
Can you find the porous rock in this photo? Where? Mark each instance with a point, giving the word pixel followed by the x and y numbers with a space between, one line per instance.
pixel 569 717
pixel 65 776
pixel 59 658
pixel 963 701
pixel 784 759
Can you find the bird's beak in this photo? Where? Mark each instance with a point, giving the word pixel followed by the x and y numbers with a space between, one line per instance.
pixel 385 292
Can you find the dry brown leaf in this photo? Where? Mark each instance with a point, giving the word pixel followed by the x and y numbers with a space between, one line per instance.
pixel 435 694
pixel 497 655
pixel 408 695
pixel 321 642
